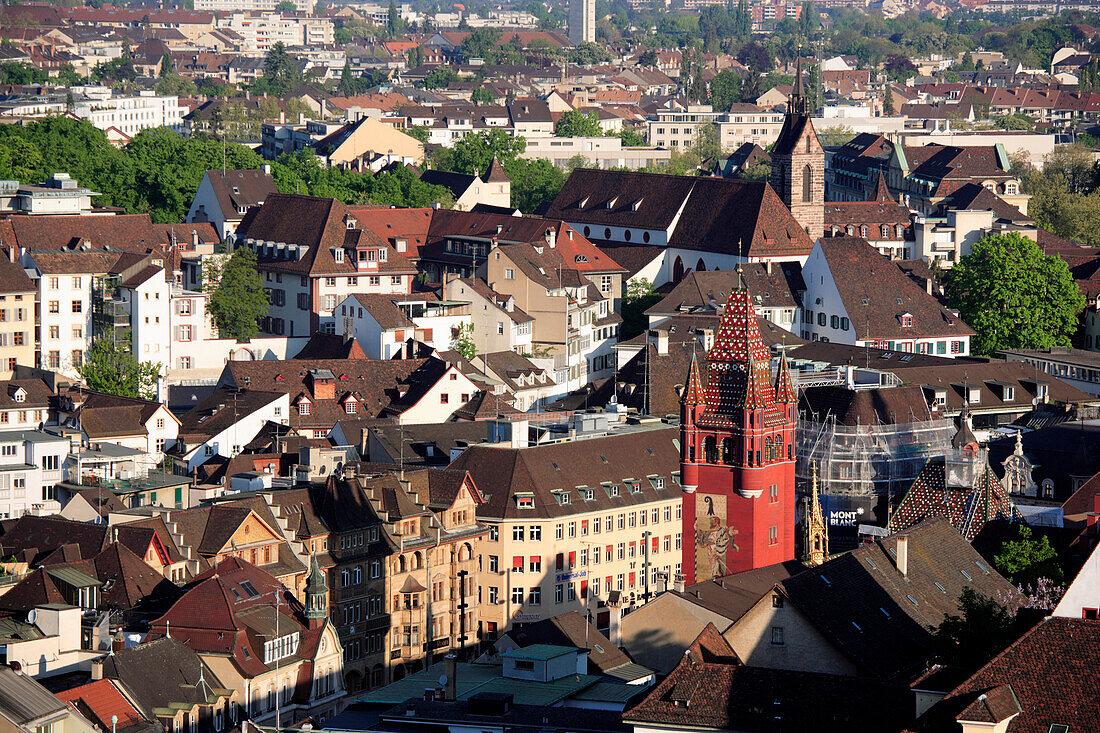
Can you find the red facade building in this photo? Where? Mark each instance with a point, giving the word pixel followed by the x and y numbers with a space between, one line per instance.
pixel 737 453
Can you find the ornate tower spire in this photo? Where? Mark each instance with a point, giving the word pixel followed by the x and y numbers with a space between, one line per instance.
pixel 784 387
pixel 316 595
pixel 815 546
pixel 693 392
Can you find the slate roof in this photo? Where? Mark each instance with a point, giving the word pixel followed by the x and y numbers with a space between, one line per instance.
pixel 223 408
pixel 878 406
pixel 975 197
pixel 374 382
pixel 162 672
pixel 703 213
pixel 24 703
pixel 880 619
pixel 103 415
pixel 711 690
pixel 440 438
pixel 330 346
pixel 947 167
pixel 485 406
pixel 860 272
pixel 13 278
pixel 509 367
pixel 1051 672
pixel 572 629
pixel 880 209
pixel 501 473
pixel 709 290
pixel 733 595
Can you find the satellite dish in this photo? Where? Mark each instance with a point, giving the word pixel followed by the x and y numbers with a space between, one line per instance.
pixel 442 680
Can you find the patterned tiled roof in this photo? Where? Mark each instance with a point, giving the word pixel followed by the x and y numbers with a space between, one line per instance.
pixel 967 508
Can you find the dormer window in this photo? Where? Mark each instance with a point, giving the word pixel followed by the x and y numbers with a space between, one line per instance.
pixel 381 255
pixel 974 395
pixel 20 395
pixel 350 222
pixel 636 205
pixel 611 202
pixel 351 405
pixel 525 501
pixel 305 406
pixel 906 320
pixel 338 255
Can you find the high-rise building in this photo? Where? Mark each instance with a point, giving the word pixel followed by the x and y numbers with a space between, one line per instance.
pixel 737 453
pixel 582 21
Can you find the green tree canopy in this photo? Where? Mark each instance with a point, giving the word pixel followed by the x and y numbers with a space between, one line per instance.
pixel 281 73
pixel 970 640
pixel 577 123
pixel 237 299
pixel 111 367
pixel 1014 296
pixel 439 78
pixel 725 89
pixel 285 6
pixel 1025 560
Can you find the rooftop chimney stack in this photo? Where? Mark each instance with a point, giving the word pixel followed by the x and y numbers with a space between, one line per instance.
pixel 903 556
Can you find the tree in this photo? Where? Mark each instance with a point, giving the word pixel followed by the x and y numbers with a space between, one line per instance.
pixel 281 73
pixel 1014 296
pixel 165 66
pixel 899 68
pixel 482 95
pixel 888 101
pixel 393 19
pixel 237 301
pixel 174 85
pixel 983 631
pixel 463 342
pixel 648 58
pixel 439 78
pixel 639 296
pixel 110 366
pixel 481 44
pixel 1025 560
pixel 836 135
pixel 725 89
pixel 632 138
pixel 286 6
pixel 762 171
pixel 755 56
pixel 16 73
pixel 577 123
pixel 1014 122
pixel 588 53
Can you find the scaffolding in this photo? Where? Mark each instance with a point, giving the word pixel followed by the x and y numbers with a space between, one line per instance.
pixel 879 460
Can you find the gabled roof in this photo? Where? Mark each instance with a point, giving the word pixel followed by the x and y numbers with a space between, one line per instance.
pixel 1051 674
pixel 711 690
pixel 238 190
pixel 879 618
pixel 107 705
pixel 975 197
pixel 703 213
pixel 707 291
pixel 121 232
pixel 967 507
pixel 163 673
pixel 861 273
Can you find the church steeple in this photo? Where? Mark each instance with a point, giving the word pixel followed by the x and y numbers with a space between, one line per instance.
pixel 798 160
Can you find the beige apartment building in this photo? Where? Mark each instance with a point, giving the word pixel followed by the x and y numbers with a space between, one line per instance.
pixel 17 317
pixel 570 289
pixel 584 524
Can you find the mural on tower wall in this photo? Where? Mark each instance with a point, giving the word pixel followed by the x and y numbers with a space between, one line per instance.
pixel 714 538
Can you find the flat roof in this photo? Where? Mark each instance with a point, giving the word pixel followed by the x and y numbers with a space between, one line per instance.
pixel 31 436
pixel 1061 355
pixel 540 652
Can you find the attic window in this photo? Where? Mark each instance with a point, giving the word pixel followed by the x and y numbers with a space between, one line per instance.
pixel 563 498
pixel 981 567
pixel 906 320
pixel 636 205
pixel 338 254
pixel 611 202
pixel 657 482
pixel 911 599
pixel 525 502
pixel 864 301
pixel 941 587
pixel 580 259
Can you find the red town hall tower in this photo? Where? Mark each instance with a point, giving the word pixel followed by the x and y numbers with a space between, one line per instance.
pixel 737 453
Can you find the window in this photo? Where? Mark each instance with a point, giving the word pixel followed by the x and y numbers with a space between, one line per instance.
pixel 78 306
pixel 55 333
pixel 78 357
pixel 330 282
pixel 517 533
pixel 509 274
pixel 534 597
pixel 443 398
pixel 777 636
pixel 535 532
pixel 76 282
pixel 535 564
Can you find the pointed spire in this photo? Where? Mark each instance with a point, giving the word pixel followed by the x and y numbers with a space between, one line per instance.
pixel 693 393
pixel 816 535
pixel 882 191
pixel 784 386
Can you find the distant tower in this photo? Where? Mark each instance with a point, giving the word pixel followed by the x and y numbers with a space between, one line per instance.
pixel 316 596
pixel 815 545
pixel 582 21
pixel 737 453
pixel 798 162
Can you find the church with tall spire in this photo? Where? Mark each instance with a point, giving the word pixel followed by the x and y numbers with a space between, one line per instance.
pixel 737 452
pixel 798 161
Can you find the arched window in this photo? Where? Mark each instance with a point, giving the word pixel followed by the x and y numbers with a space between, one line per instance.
pixel 727 451
pixel 885 231
pixel 807 183
pixel 768 448
pixel 710 449
pixel 863 231
pixel 417 561
pixel 401 563
pixel 677 270
pixel 700 265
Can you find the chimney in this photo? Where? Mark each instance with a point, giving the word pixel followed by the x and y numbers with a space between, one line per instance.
pixel 551 238
pixel 903 556
pixel 659 339
pixel 11 253
pixel 118 643
pixel 97 670
pixel 450 670
pixel 614 631
pixel 768 266
pixel 928 285
pixel 267 168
